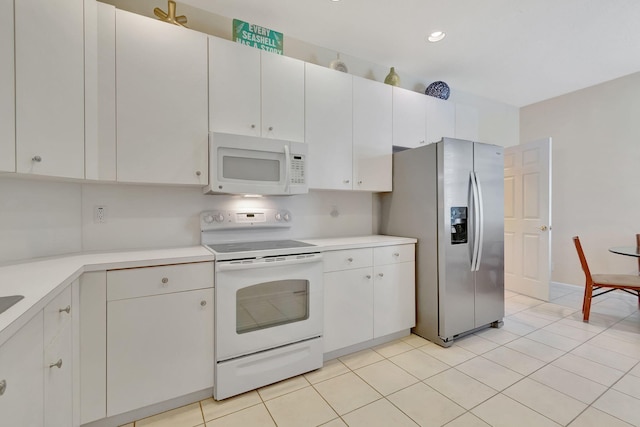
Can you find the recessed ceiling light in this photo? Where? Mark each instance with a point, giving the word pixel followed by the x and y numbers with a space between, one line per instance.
pixel 436 36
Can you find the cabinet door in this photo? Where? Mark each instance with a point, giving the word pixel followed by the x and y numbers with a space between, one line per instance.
pixel 234 88
pixel 394 293
pixel 441 119
pixel 372 135
pixel 49 54
pixel 158 348
pixel 282 82
pixel 162 103
pixel 58 379
pixel 7 91
pixel 348 308
pixel 467 122
pixel 328 127
pixel 21 404
pixel 409 113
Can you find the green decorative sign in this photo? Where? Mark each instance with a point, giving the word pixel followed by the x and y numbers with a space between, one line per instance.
pixel 258 37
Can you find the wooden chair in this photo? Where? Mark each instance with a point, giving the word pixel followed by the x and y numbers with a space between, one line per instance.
pixel 638 247
pixel 624 282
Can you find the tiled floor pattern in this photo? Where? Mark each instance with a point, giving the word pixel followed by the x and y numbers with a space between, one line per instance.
pixel 545 367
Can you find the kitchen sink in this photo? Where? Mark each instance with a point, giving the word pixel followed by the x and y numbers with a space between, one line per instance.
pixel 7 302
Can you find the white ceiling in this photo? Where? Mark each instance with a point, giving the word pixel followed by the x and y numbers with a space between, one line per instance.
pixel 513 51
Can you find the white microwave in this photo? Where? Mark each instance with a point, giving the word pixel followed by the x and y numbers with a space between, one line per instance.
pixel 240 164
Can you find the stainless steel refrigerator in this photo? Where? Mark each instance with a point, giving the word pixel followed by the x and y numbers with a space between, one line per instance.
pixel 450 196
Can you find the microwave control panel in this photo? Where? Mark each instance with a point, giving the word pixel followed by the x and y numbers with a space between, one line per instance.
pixel 297 170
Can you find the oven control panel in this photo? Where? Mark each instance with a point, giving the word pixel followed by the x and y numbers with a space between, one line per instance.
pixel 245 218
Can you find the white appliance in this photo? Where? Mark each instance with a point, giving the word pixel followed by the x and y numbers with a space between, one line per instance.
pixel 241 164
pixel 268 300
pixel 450 196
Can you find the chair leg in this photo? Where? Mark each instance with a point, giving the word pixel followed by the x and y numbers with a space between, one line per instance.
pixel 584 296
pixel 588 293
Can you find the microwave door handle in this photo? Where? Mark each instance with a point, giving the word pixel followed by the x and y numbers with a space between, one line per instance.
pixel 287 175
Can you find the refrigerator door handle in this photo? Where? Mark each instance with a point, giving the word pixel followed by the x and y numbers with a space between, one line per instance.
pixel 476 220
pixel 480 222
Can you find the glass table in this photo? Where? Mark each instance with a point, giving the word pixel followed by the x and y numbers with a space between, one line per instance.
pixel 626 250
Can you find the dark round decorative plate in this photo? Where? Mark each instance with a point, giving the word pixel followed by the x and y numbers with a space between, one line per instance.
pixel 438 89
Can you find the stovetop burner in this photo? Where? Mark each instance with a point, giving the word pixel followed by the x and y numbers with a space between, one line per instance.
pixel 257 246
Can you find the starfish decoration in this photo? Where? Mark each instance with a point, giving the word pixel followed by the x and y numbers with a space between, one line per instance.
pixel 170 15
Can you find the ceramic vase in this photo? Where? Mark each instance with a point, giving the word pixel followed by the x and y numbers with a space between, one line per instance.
pixel 392 78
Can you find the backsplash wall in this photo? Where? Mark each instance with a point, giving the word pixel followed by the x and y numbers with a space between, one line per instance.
pixel 40 218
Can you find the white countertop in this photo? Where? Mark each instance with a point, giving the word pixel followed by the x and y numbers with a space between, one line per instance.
pixel 41 280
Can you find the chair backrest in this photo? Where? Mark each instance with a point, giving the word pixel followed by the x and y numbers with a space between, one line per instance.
pixel 583 260
pixel 638 248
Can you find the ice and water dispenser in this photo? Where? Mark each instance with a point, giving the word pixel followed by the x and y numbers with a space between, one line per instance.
pixel 458 225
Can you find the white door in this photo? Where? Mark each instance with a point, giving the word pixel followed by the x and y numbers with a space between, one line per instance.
pixel 527 218
pixel 7 90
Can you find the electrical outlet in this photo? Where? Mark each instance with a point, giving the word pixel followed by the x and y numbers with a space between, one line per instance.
pixel 100 214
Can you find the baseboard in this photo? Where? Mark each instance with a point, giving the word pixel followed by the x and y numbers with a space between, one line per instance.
pixel 365 345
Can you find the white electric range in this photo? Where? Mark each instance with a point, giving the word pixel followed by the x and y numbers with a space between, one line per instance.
pixel 268 300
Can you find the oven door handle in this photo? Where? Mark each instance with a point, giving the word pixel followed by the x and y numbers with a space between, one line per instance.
pixel 262 263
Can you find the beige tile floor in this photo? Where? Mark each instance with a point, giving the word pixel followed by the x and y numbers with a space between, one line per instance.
pixel 545 367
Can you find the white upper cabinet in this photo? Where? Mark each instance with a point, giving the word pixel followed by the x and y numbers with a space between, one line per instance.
pixel 372 135
pixel 441 119
pixel 409 112
pixel 328 127
pixel 7 93
pixel 234 88
pixel 49 78
pixel 255 93
pixel 161 102
pixel 467 122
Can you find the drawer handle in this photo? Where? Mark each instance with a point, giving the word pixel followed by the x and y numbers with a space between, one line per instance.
pixel 368 276
pixel 203 303
pixel 58 364
pixel 3 387
pixel 350 259
pixel 165 281
pixel 381 274
pixel 396 254
pixel 67 309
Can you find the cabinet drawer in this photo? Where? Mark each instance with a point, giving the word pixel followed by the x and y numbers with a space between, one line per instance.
pixel 348 259
pixel 57 314
pixel 393 254
pixel 139 282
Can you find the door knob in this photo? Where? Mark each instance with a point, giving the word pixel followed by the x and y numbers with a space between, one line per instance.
pixel 67 310
pixel 58 364
pixel 543 228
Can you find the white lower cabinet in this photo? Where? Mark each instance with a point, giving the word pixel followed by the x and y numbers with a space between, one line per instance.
pixel 159 347
pixel 369 293
pixel 21 383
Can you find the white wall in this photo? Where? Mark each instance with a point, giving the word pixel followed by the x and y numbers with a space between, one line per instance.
pixel 46 218
pixel 39 218
pixel 596 165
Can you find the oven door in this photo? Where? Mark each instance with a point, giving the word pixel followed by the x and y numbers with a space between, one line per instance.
pixel 266 303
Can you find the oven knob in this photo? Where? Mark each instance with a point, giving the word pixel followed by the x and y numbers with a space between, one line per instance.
pixel 278 216
pixel 218 217
pixel 287 216
pixel 208 219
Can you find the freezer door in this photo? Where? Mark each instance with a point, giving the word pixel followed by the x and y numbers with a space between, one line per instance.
pixel 456 280
pixel 489 277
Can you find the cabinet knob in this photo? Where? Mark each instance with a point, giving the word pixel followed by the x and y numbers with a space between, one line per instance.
pixel 203 303
pixel 360 182
pixel 198 173
pixel 67 309
pixel 380 274
pixel 3 387
pixel 349 259
pixel 253 126
pixel 421 142
pixel 270 128
pixel 37 159
pixel 368 276
pixel 58 364
pixel 396 254
pixel 164 281
pixel 346 181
